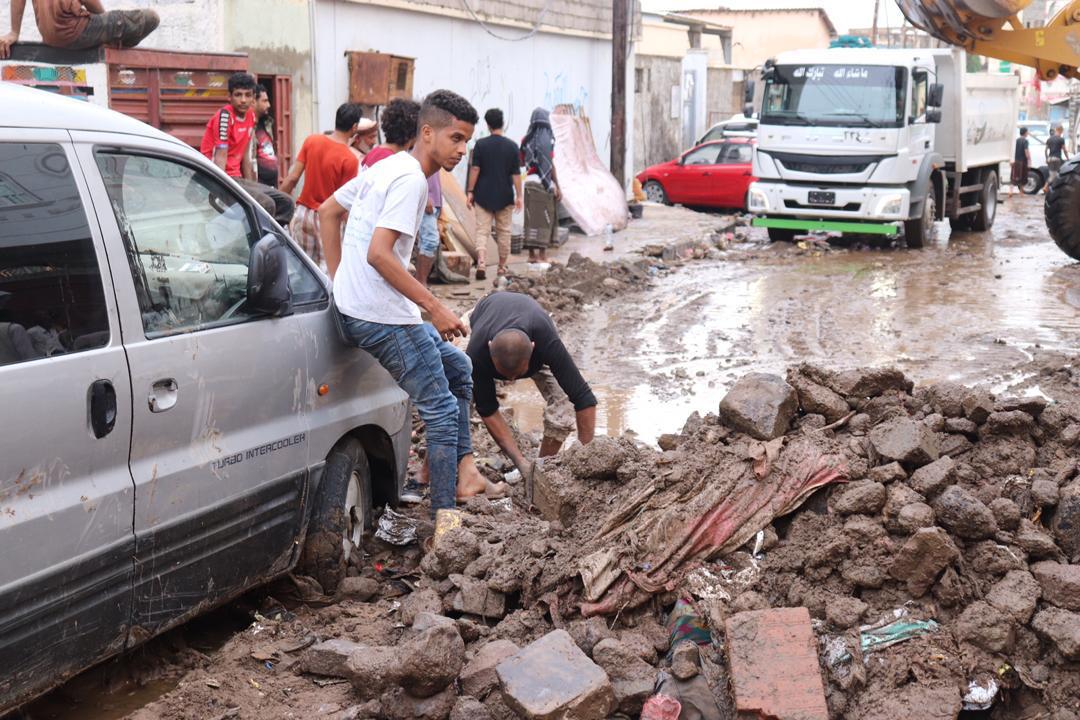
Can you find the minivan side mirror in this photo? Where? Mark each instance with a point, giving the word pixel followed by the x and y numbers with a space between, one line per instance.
pixel 936 96
pixel 268 291
pixel 933 115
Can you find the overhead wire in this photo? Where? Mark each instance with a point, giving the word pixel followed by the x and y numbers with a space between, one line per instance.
pixel 531 33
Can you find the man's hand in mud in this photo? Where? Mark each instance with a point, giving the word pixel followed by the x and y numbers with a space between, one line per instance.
pixel 447 323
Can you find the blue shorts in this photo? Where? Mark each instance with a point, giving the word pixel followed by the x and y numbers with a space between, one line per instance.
pixel 429 233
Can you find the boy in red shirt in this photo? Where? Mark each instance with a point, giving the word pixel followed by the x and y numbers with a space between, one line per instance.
pixel 326 163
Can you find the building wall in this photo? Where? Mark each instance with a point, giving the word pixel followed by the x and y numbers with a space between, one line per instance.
pixel 725 94
pixel 657 135
pixel 664 39
pixel 758 35
pixel 457 53
pixel 590 16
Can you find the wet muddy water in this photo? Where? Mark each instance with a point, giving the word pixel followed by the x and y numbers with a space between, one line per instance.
pixel 972 307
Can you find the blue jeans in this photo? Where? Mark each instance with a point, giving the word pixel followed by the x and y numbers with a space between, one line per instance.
pixel 429 233
pixel 438 378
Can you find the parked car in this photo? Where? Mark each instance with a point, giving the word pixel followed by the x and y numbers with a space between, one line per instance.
pixel 715 174
pixel 738 126
pixel 182 421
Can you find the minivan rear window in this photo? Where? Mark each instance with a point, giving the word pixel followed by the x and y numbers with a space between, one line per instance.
pixel 52 301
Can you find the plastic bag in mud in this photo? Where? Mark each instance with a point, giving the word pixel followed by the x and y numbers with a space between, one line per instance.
pixel 395 528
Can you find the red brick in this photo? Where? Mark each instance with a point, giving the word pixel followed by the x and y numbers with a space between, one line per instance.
pixel 774 666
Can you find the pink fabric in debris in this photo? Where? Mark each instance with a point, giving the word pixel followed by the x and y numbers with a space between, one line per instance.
pixel 590 192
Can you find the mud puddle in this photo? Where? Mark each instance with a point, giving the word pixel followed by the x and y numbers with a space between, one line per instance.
pixel 973 308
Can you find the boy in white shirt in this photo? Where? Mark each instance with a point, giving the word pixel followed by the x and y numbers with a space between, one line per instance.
pixel 380 301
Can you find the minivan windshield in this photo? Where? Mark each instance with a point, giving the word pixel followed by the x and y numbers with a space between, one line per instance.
pixel 835 95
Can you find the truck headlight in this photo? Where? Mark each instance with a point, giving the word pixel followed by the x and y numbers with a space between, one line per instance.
pixel 758 200
pixel 890 205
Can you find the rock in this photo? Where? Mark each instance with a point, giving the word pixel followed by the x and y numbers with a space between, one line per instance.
pixel 1013 422
pixel 685 660
pixel 978 405
pixel 1033 540
pixel 817 399
pixel 1045 493
pixel 1060 584
pixel 426 621
pixel 760 405
pixel 452 554
pixel 551 679
pixel 961 426
pixel 329 658
pixel 931 479
pixel 954 446
pixel 632 679
pixel 399 704
pixel 586 633
pixel 870 382
pixel 668 441
pixel 359 588
pixel 906 441
pixel 479 677
pixel 860 424
pixel 1033 405
pixel 475 598
pixel 844 612
pixel 1006 513
pixel 425 664
pixel 914 700
pixel 864 497
pixel 468 708
pixel 639 645
pixel 935 422
pixel 1060 627
pixel 599 460
pixel 986 627
pixel 885 474
pixel 915 517
pixel 900 496
pixel 963 514
pixel 1066 524
pixel 865 530
pixel 922 558
pixel 864 574
pixel 556 497
pixel 991 558
pixel 1016 595
pixel 947 398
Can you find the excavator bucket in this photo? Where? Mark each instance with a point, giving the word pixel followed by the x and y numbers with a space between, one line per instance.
pixel 959 22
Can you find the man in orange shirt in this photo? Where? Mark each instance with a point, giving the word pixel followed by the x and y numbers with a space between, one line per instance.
pixel 80 25
pixel 326 163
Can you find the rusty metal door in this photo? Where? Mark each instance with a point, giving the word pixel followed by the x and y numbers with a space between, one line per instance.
pixel 283 127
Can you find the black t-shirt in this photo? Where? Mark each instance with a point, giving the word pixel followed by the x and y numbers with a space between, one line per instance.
pixel 1021 149
pixel 497 158
pixel 1054 145
pixel 509 310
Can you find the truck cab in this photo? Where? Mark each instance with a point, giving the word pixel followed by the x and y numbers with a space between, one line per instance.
pixel 872 141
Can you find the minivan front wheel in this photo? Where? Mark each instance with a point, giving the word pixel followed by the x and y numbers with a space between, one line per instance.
pixel 340 514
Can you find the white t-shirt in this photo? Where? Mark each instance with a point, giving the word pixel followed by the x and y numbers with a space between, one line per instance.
pixel 391 194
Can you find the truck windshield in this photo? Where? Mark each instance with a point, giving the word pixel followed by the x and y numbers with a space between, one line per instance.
pixel 836 95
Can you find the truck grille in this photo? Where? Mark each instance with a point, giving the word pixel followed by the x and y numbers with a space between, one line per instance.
pixel 796 205
pixel 851 168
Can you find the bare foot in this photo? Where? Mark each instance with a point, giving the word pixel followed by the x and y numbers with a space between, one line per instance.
pixel 469 480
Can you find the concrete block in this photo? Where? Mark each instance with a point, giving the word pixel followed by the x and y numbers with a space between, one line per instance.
pixel 551 679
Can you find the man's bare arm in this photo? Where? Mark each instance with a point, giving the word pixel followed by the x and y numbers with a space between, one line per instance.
pixel 500 432
pixel 519 193
pixel 221 157
pixel 295 173
pixel 247 167
pixel 331 213
pixel 586 425
pixel 18 7
pixel 94 6
pixel 470 185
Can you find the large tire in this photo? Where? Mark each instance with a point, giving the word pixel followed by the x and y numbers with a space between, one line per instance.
pixel 919 231
pixel 340 513
pixel 961 224
pixel 1034 181
pixel 654 192
pixel 781 235
pixel 983 219
pixel 1062 209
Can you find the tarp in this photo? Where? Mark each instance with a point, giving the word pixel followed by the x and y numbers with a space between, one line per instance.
pixel 590 193
pixel 460 219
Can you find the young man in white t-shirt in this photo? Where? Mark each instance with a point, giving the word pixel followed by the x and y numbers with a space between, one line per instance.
pixel 380 301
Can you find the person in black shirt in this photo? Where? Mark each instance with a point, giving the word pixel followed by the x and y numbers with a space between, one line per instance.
pixel 494 191
pixel 1021 162
pixel 512 338
pixel 1055 147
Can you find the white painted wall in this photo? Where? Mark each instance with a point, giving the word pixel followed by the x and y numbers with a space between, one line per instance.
pixel 457 54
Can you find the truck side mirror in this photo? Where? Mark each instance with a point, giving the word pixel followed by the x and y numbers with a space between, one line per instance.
pixel 936 95
pixel 748 109
pixel 933 115
pixel 748 92
pixel 268 291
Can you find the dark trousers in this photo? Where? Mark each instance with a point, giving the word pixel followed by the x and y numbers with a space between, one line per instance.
pixel 280 206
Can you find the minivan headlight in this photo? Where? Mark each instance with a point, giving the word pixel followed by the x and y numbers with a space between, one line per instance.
pixel 758 201
pixel 890 205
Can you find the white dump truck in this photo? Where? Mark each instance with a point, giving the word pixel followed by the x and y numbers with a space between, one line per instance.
pixel 876 141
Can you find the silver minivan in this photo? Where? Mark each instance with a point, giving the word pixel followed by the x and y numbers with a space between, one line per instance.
pixel 179 419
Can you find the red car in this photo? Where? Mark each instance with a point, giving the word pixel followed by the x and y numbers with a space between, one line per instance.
pixel 713 174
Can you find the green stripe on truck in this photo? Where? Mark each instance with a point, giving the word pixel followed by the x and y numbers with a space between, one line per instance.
pixel 833 225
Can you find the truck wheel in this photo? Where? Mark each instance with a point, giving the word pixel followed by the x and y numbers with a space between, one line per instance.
pixel 920 231
pixel 654 192
pixel 983 219
pixel 1062 209
pixel 781 235
pixel 340 512
pixel 1034 181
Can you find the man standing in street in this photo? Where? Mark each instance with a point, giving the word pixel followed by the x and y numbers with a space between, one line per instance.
pixel 80 25
pixel 1055 148
pixel 228 140
pixel 1021 162
pixel 380 302
pixel 326 163
pixel 494 191
pixel 511 338
pixel 266 161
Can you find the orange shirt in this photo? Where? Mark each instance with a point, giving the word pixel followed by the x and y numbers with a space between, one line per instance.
pixel 60 22
pixel 328 165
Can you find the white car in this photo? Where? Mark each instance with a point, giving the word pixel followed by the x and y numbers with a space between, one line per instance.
pixel 738 126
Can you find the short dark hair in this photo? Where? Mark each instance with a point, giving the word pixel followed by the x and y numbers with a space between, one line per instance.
pixel 442 107
pixel 348 114
pixel 242 81
pixel 399 121
pixel 261 90
pixel 1023 131
pixel 494 119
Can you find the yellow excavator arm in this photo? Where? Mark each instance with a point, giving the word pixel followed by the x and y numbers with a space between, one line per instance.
pixel 993 28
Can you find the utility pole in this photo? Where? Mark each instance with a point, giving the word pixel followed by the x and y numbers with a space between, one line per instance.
pixel 620 42
pixel 873 32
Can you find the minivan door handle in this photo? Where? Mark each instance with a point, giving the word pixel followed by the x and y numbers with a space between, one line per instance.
pixel 163 395
pixel 102 408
